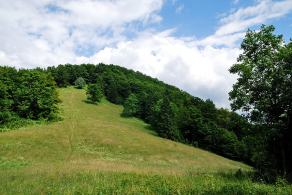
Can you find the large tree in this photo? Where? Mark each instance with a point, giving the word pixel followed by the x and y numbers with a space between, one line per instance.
pixel 165 119
pixel 263 91
pixel 35 95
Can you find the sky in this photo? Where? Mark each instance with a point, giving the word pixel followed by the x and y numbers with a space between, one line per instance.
pixel 187 43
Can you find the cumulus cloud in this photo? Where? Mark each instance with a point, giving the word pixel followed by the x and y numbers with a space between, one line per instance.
pixel 232 26
pixel 50 32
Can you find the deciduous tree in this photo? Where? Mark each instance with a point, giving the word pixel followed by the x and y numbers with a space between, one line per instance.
pixel 263 91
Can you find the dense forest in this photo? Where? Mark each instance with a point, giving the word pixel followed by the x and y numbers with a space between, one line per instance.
pixel 26 95
pixel 262 137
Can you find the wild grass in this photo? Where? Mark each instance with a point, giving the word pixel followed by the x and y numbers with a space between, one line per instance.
pixel 132 183
pixel 95 151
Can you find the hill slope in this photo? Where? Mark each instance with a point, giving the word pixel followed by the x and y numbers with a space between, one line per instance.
pixel 96 137
pixel 94 148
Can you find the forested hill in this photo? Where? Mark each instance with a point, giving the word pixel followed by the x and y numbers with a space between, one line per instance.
pixel 173 113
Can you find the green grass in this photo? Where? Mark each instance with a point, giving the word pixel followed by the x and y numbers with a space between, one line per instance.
pixel 94 150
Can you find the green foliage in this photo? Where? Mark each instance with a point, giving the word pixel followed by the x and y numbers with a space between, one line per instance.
pixel 80 83
pixel 165 120
pixel 191 124
pixel 94 93
pixel 224 141
pixel 61 75
pixel 35 95
pixel 131 106
pixel 26 94
pixel 263 90
pixel 111 89
pixel 208 110
pixel 257 68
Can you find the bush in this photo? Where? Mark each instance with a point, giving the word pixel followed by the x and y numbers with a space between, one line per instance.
pixel 80 83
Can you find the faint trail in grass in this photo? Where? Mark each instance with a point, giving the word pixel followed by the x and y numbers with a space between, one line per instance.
pixel 72 125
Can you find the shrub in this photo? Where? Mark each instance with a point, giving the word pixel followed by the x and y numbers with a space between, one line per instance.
pixel 80 83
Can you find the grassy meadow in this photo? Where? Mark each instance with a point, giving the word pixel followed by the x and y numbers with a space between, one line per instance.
pixel 94 150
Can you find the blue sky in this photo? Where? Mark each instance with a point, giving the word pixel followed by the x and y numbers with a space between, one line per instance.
pixel 199 18
pixel 187 43
pixel 193 18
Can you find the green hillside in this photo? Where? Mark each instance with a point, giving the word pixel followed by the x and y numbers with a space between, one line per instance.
pixel 94 150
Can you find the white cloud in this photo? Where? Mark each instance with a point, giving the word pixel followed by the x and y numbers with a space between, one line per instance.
pixel 51 32
pixel 246 17
pixel 234 25
pixel 109 13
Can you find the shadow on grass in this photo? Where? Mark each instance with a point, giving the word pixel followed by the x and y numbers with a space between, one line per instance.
pixel 18 123
pixel 148 128
pixel 90 102
pixel 151 130
pixel 239 175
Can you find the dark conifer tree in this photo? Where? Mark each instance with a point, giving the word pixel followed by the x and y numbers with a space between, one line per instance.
pixel 94 93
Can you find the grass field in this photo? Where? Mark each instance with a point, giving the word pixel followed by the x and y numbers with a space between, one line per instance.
pixel 95 151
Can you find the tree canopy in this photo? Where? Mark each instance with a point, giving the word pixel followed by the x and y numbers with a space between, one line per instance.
pixel 26 94
pixel 263 90
pixel 131 106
